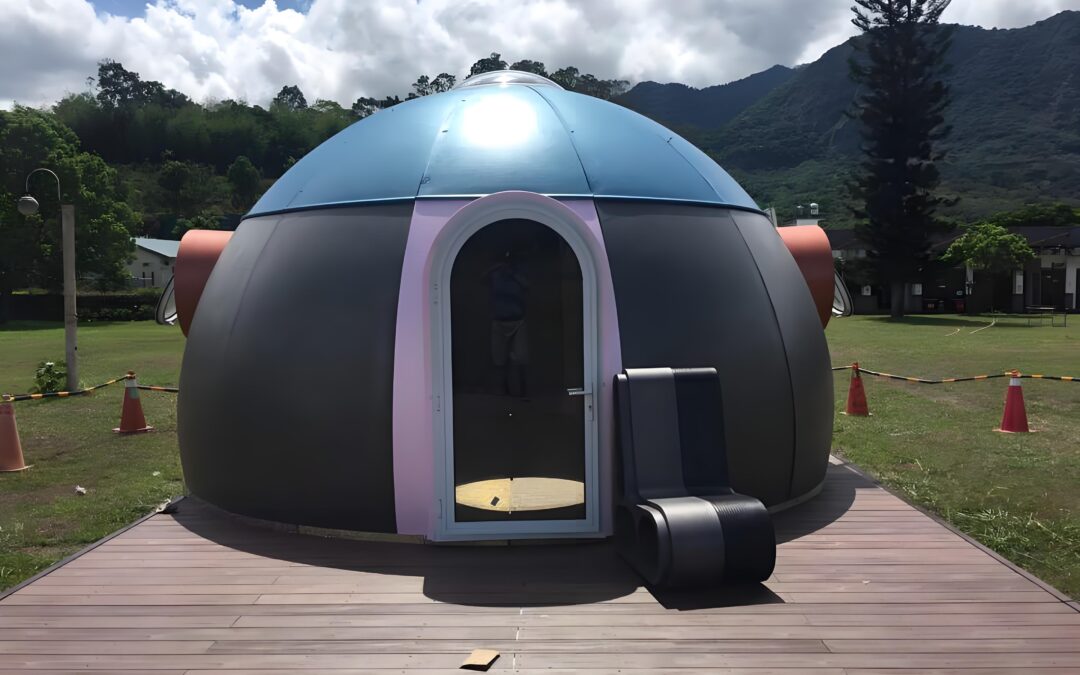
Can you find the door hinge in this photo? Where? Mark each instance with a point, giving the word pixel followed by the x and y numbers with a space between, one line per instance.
pixel 438 403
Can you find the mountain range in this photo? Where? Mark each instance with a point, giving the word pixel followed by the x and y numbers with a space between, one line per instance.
pixel 785 135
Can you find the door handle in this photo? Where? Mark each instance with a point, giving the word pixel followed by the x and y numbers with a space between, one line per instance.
pixel 588 401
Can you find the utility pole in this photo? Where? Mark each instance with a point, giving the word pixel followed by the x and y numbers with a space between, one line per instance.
pixel 28 206
pixel 71 318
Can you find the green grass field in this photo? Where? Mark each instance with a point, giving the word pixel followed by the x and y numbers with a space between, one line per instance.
pixel 1017 493
pixel 70 442
pixel 933 443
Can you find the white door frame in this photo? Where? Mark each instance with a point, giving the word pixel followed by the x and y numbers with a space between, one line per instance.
pixel 469 220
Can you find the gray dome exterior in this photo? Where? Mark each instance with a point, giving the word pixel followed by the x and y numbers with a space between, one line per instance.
pixel 288 379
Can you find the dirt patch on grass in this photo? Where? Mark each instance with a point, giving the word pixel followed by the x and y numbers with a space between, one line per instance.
pixel 44 494
pixel 48 552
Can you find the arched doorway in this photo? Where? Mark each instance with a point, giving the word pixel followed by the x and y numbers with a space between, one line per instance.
pixel 516 322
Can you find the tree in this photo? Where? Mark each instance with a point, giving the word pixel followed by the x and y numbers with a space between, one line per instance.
pixel 30 246
pixel 188 187
pixel 425 86
pixel 898 64
pixel 989 247
pixel 1052 215
pixel 175 178
pixel 291 98
pixel 492 62
pixel 244 179
pixel 528 66
pixel 606 89
pixel 119 87
pixel 422 86
pixel 443 82
pixel 567 77
pixel 365 106
pixel 199 222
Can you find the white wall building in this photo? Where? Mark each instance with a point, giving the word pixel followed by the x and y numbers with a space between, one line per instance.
pixel 153 263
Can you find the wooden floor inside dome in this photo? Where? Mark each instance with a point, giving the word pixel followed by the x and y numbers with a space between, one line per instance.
pixel 865 584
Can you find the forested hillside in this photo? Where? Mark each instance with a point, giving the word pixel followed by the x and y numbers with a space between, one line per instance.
pixel 184 163
pixel 1015 119
pixel 173 163
pixel 708 108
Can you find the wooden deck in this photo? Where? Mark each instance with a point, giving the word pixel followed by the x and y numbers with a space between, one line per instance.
pixel 864 584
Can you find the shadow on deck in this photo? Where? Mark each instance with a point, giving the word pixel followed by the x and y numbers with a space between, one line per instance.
pixel 519 574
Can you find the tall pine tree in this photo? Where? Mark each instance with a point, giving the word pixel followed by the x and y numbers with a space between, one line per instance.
pixel 898 63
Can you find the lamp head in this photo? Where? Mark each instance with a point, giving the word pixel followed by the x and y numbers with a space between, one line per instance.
pixel 28 206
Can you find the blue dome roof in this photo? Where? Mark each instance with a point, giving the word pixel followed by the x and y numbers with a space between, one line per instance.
pixel 480 139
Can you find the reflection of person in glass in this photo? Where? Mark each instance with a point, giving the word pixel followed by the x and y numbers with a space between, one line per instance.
pixel 509 336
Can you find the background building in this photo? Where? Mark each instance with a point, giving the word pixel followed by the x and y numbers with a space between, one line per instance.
pixel 153 262
pixel 1050 280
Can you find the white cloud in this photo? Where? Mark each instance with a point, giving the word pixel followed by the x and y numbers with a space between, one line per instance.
pixel 341 49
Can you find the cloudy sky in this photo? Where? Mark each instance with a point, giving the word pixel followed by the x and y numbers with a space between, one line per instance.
pixel 342 49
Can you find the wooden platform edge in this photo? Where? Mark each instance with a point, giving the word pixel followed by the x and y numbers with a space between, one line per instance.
pixel 83 551
pixel 1065 599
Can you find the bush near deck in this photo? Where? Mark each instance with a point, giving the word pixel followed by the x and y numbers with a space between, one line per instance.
pixel 932 443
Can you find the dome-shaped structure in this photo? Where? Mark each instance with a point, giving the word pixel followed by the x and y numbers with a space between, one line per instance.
pixel 417 328
pixel 490 137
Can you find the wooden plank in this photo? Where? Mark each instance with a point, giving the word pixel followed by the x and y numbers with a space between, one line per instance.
pixel 188 662
pixel 433 646
pixel 949 671
pixel 100 622
pixel 418 585
pixel 864 582
pixel 1005 645
pixel 704 660
pixel 29 609
pixel 843 634
pixel 462 633
pixel 36 671
pixel 97 600
pixel 613 621
pixel 530 633
pixel 672 619
pixel 812 609
pixel 51 647
pixel 441 671
pixel 899 598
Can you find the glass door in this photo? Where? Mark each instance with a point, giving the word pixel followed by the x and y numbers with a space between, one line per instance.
pixel 521 400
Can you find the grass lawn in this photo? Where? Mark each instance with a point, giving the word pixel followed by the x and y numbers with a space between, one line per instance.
pixel 70 442
pixel 1016 493
pixel 1019 494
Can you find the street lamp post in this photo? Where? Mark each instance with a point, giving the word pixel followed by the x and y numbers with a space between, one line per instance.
pixel 29 206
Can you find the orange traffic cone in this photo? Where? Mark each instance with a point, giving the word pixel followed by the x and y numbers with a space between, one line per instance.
pixel 132 420
pixel 856 396
pixel 1014 419
pixel 11 456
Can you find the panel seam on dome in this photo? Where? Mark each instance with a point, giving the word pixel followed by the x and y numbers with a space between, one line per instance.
pixel 677 200
pixel 569 136
pixel 443 126
pixel 787 359
pixel 667 141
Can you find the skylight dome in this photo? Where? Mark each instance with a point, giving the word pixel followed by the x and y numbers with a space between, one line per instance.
pixel 506 77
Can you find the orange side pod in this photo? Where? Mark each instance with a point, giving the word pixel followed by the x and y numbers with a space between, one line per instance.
pixel 810 247
pixel 199 252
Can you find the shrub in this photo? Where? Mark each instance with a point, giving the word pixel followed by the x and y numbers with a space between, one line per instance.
pixel 50 376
